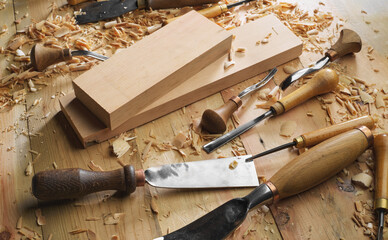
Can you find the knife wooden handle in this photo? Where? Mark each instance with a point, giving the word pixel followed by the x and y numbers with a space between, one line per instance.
pixel 42 57
pixel 381 158
pixel 324 81
pixel 214 121
pixel 74 182
pixel 313 138
pixel 321 162
pixel 162 4
pixel 210 12
pixel 348 42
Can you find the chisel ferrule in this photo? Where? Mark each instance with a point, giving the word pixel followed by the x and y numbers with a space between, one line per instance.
pixel 274 190
pixel 300 142
pixel 368 134
pixel 141 4
pixel 381 203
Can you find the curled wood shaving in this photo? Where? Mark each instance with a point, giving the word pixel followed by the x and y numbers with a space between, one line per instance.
pixel 40 219
pixel 362 179
pixel 229 64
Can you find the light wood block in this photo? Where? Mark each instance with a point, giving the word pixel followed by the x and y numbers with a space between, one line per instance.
pixel 133 78
pixel 282 47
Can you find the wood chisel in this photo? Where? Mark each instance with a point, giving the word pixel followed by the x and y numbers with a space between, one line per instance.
pixel 214 121
pixel 42 57
pixel 307 170
pixel 348 42
pixel 381 180
pixel 324 81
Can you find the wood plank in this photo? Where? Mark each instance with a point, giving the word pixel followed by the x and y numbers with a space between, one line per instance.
pixel 132 79
pixel 255 60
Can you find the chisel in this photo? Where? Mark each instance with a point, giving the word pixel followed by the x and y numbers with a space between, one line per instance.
pixel 307 170
pixel 381 189
pixel 324 81
pixel 312 138
pixel 348 42
pixel 214 121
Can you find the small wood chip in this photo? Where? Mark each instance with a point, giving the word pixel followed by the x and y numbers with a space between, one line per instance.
pixel 362 179
pixel 40 219
pixel 120 146
pixel 146 151
pixel 154 206
pixel 179 140
pixel 366 98
pixel 289 69
pixel 229 64
pixel 112 219
pixel 29 169
pixel 287 128
pixel 93 166
pixel 233 165
pixel 91 235
pixel 19 223
pixel 358 206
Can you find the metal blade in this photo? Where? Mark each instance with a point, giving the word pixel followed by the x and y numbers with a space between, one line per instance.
pixel 89 54
pixel 104 10
pixel 258 85
pixel 204 174
pixel 380 214
pixel 304 72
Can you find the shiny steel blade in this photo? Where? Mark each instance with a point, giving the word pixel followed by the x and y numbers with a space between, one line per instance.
pixel 304 72
pixel 89 54
pixel 204 174
pixel 258 85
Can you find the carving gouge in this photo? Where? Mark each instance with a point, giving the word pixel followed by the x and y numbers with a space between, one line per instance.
pixel 214 121
pixel 348 42
pixel 381 189
pixel 42 57
pixel 312 138
pixel 324 81
pixel 307 170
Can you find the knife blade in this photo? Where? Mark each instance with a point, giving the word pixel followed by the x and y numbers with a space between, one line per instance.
pixel 216 173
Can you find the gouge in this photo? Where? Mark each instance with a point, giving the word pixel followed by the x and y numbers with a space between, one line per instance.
pixel 307 170
pixel 312 138
pixel 348 42
pixel 214 121
pixel 324 81
pixel 381 189
pixel 42 57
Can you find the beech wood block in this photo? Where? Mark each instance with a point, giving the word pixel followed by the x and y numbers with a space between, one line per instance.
pixel 381 180
pixel 133 78
pixel 257 59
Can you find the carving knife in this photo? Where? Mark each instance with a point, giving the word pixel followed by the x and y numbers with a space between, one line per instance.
pixel 324 81
pixel 348 42
pixel 302 173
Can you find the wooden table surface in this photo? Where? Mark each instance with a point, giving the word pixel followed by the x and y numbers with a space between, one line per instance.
pixel 324 212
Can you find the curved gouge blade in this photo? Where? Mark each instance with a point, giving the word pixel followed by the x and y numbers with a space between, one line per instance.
pixel 258 85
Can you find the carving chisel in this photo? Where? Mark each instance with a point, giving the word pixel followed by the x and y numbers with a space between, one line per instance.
pixel 381 189
pixel 348 42
pixel 214 121
pixel 307 170
pixel 324 81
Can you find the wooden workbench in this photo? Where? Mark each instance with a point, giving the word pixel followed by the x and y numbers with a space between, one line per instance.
pixel 322 213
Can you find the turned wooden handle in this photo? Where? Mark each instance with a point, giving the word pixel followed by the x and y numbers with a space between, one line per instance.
pixel 348 42
pixel 324 81
pixel 42 57
pixel 163 4
pixel 210 12
pixel 75 182
pixel 313 138
pixel 75 2
pixel 321 162
pixel 214 121
pixel 381 156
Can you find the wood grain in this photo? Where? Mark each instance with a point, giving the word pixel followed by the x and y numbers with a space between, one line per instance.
pixel 381 155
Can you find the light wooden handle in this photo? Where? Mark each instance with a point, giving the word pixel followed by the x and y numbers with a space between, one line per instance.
pixel 75 2
pixel 321 162
pixel 348 42
pixel 324 81
pixel 210 12
pixel 75 182
pixel 163 4
pixel 381 156
pixel 313 138
pixel 214 121
pixel 42 57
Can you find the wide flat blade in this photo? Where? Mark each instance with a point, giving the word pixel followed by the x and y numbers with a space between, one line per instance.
pixel 214 173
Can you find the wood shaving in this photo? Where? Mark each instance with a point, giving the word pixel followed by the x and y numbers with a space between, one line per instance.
pixel 287 128
pixel 273 92
pixel 380 101
pixel 366 98
pixel 229 64
pixel 77 231
pixel 362 179
pixel 289 69
pixel 233 165
pixel 91 235
pixel 120 146
pixel 179 140
pixel 19 223
pixel 62 31
pixel 93 166
pixel 146 151
pixel 115 237
pixel 29 169
pixel 154 206
pixel 112 219
pixel 40 219
pixel 241 50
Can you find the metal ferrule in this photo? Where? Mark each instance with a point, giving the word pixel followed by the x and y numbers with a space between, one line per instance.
pixel 236 100
pixel 300 143
pixel 368 134
pixel 261 195
pixel 223 7
pixel 381 203
pixel 141 4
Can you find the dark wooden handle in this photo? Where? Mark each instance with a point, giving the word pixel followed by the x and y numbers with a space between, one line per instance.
pixel 324 81
pixel 75 182
pixel 381 156
pixel 321 162
pixel 42 57
pixel 161 4
pixel 214 121
pixel 313 138
pixel 348 42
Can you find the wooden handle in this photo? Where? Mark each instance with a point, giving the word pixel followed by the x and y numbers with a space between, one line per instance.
pixel 75 2
pixel 42 57
pixel 214 121
pixel 381 156
pixel 162 4
pixel 75 182
pixel 313 138
pixel 324 81
pixel 210 12
pixel 348 42
pixel 321 162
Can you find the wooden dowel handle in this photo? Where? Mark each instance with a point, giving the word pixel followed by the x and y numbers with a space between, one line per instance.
pixel 324 81
pixel 313 138
pixel 75 182
pixel 214 121
pixel 42 57
pixel 75 2
pixel 348 42
pixel 163 4
pixel 381 156
pixel 210 12
pixel 321 162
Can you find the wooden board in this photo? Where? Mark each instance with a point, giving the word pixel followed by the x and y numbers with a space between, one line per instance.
pixel 255 60
pixel 133 78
